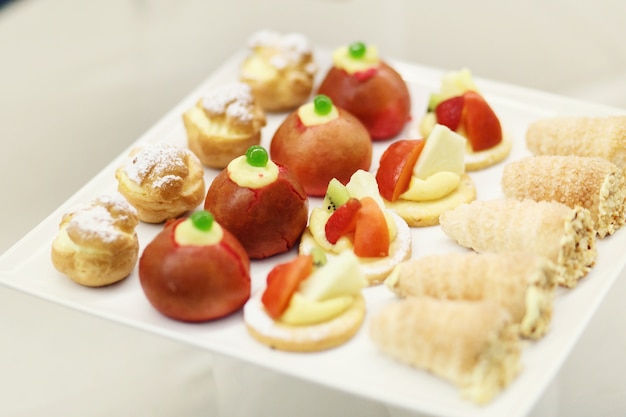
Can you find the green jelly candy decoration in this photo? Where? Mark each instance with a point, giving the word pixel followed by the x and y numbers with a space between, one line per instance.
pixel 357 50
pixel 257 156
pixel 323 104
pixel 202 220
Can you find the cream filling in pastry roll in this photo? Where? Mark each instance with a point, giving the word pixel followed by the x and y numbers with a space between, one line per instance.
pixel 472 344
pixel 591 182
pixel 604 137
pixel 562 234
pixel 520 282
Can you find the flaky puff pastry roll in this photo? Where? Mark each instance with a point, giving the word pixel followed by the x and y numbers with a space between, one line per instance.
pixel 520 282
pixel 604 137
pixel 472 344
pixel 591 182
pixel 562 234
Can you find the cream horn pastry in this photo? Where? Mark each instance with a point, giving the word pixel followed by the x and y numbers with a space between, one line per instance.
pixel 520 282
pixel 562 234
pixel 472 344
pixel 591 182
pixel 604 137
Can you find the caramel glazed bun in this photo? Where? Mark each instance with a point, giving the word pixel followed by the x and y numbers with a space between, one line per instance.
pixel 280 70
pixel 305 338
pixel 161 181
pixel 97 245
pixel 224 124
pixel 375 270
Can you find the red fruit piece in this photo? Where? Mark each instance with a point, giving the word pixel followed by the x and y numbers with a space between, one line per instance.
pixel 482 126
pixel 371 235
pixel 396 167
pixel 342 221
pixel 283 281
pixel 449 112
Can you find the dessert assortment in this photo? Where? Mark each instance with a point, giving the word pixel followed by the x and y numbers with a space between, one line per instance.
pixel 332 204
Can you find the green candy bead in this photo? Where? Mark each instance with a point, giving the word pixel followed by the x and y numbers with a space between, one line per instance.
pixel 202 220
pixel 323 104
pixel 357 50
pixel 257 156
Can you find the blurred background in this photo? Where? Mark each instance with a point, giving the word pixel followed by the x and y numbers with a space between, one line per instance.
pixel 81 80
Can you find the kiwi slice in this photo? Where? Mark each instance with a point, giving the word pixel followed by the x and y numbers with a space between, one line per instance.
pixel 433 101
pixel 336 195
pixel 319 256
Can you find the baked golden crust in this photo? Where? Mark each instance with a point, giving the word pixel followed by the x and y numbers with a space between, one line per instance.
pixel 308 338
pixel 97 245
pixel 224 124
pixel 426 213
pixel 603 137
pixel 472 344
pixel 161 181
pixel 475 161
pixel 280 70
pixel 520 282
pixel 591 182
pixel 563 235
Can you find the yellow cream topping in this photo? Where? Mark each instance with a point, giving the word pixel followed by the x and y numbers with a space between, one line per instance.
pixel 189 235
pixel 258 68
pixel 434 187
pixel 302 311
pixel 309 117
pixel 248 176
pixel 342 59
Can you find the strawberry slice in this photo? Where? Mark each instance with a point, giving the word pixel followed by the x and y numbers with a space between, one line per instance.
pixel 449 112
pixel 482 126
pixel 282 281
pixel 371 235
pixel 342 221
pixel 396 167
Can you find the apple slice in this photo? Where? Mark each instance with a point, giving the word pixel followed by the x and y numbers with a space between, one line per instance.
pixel 341 276
pixel 371 234
pixel 396 167
pixel 482 126
pixel 363 184
pixel 342 221
pixel 449 112
pixel 444 150
pixel 282 281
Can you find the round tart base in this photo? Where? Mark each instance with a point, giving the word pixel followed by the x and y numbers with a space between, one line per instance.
pixel 309 338
pixel 426 213
pixel 484 159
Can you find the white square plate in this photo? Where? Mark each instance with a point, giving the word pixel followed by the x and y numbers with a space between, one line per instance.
pixel 356 367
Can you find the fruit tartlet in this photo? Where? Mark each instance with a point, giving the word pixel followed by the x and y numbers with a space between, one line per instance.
pixel 280 69
pixel 195 270
pixel 223 124
pixel 366 86
pixel 161 181
pixel 319 142
pixel 97 245
pixel 460 106
pixel 354 218
pixel 420 179
pixel 309 304
pixel 259 201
